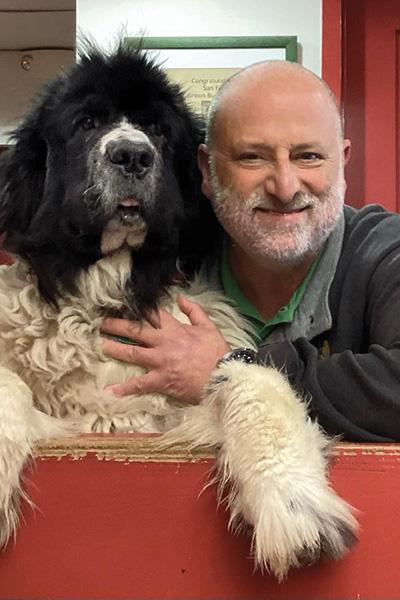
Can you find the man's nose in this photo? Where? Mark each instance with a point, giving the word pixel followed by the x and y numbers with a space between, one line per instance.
pixel 282 182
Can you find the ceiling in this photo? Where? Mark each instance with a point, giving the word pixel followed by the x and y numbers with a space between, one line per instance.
pixel 29 24
pixel 28 5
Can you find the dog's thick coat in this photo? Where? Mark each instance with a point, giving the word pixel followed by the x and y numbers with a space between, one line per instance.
pixel 99 197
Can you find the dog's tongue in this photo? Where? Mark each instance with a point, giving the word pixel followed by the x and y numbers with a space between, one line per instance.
pixel 129 201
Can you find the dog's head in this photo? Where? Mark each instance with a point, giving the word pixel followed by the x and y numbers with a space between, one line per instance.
pixel 107 158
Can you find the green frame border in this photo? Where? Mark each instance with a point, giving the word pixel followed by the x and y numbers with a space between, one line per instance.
pixel 289 43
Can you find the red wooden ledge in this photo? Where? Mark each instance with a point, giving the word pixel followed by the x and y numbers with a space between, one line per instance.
pixel 115 520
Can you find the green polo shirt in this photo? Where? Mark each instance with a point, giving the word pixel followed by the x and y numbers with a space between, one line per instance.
pixel 262 327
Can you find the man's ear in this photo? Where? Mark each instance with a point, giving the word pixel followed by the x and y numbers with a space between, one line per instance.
pixel 346 151
pixel 204 166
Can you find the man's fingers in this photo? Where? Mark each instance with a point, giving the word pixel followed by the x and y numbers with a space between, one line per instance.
pixel 196 315
pixel 129 353
pixel 134 330
pixel 144 384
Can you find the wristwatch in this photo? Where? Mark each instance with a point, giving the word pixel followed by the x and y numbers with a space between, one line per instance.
pixel 245 355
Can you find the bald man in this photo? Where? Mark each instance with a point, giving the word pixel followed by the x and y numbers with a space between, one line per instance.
pixel 319 281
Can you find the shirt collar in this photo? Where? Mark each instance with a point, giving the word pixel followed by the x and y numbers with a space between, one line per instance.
pixel 263 327
pixel 313 315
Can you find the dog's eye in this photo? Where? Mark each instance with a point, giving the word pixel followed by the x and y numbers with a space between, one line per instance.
pixel 88 123
pixel 156 129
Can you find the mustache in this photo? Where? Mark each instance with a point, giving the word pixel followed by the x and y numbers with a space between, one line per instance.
pixel 262 200
pixel 300 201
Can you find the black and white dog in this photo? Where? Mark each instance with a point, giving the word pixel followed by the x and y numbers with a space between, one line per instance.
pixel 99 197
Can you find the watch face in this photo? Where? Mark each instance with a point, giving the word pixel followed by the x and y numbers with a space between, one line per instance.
pixel 246 355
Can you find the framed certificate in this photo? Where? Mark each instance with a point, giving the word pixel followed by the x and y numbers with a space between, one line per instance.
pixel 201 64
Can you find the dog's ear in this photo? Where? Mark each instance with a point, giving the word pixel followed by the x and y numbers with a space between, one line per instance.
pixel 201 233
pixel 177 248
pixel 22 177
pixel 28 213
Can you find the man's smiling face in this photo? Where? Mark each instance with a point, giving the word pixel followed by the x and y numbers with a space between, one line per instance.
pixel 276 164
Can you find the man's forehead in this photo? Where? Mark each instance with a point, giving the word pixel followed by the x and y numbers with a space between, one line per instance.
pixel 271 72
pixel 270 89
pixel 301 107
pixel 277 109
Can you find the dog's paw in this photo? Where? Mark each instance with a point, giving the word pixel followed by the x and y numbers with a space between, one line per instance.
pixel 297 529
pixel 273 464
pixel 296 516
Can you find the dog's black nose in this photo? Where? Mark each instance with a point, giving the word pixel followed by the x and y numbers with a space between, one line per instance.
pixel 133 157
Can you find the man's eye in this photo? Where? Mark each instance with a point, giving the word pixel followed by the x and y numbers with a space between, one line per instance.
pixel 249 156
pixel 309 156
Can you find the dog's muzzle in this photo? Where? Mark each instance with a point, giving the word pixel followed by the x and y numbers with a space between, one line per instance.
pixel 125 166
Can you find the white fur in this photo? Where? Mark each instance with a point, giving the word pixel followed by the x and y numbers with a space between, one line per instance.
pixel 124 130
pixel 272 459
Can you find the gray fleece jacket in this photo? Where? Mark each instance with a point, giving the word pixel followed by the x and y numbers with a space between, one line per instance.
pixel 342 350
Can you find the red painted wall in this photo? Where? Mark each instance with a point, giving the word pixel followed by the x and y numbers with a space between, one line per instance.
pixel 332 45
pixel 4 257
pixel 360 60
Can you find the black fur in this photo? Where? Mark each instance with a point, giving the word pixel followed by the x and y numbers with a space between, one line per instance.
pixel 48 216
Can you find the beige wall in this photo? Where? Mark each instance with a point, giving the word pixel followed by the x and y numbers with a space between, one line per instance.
pixel 37 39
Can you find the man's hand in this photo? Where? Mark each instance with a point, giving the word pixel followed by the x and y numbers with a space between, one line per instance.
pixel 179 357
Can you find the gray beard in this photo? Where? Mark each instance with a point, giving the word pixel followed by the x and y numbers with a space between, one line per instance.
pixel 286 244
